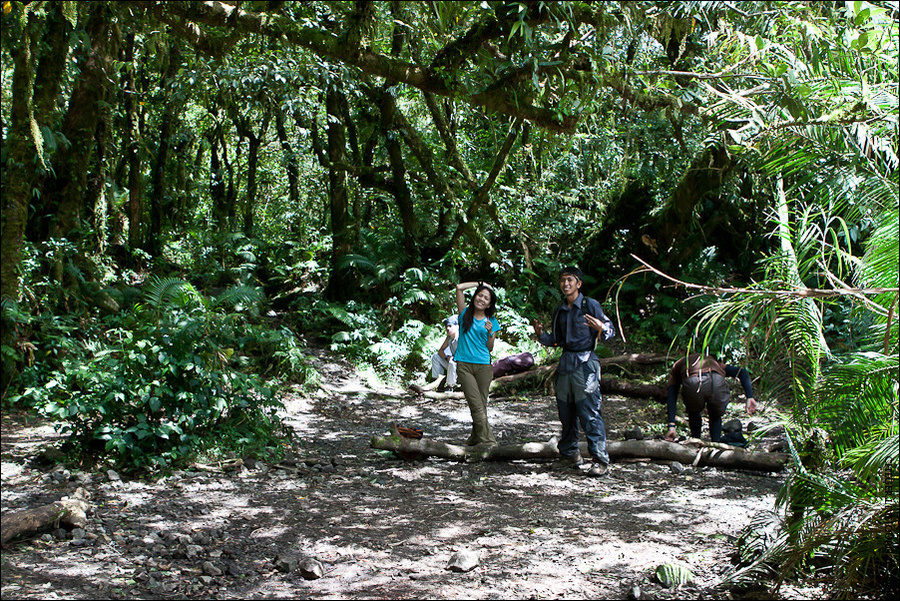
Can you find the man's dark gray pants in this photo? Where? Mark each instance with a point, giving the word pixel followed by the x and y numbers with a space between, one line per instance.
pixel 578 400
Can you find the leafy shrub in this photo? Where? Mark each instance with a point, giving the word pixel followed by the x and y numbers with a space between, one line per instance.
pixel 162 383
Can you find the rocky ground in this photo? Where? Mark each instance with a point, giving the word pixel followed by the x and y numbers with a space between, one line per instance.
pixel 340 520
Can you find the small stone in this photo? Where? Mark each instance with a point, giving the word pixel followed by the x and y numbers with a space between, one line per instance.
pixel 78 534
pixel 209 569
pixel 60 476
pixel 733 425
pixel 633 433
pixel 113 476
pixel 463 561
pixel 81 478
pixel 51 455
pixel 311 569
pixel 192 551
pixel 286 563
pixel 676 467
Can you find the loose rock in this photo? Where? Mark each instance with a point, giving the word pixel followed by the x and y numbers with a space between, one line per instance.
pixel 463 561
pixel 210 569
pixel 311 569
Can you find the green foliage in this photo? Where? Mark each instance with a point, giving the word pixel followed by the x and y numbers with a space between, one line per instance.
pixel 841 504
pixel 803 94
pixel 151 388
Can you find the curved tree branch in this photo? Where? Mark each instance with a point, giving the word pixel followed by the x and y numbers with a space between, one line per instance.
pixel 804 292
pixel 328 45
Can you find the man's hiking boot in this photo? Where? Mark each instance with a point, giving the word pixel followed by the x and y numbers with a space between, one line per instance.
pixel 598 469
pixel 567 462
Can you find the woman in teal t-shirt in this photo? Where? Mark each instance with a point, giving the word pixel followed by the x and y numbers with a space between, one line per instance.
pixel 477 330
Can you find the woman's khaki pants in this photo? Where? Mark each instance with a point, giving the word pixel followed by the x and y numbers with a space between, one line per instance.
pixel 475 381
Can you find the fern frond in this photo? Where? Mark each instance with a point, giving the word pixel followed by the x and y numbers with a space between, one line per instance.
pixel 360 262
pixel 238 295
pixel 171 293
pixel 341 315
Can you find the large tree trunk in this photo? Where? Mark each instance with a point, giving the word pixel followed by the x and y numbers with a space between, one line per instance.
pixel 217 180
pixel 159 205
pixel 85 110
pixel 48 78
pixel 290 164
pixel 17 183
pixel 693 452
pixel 70 511
pixel 17 186
pixel 705 176
pixel 133 150
pixel 256 140
pixel 96 197
pixel 87 106
pixel 340 281
pixel 399 187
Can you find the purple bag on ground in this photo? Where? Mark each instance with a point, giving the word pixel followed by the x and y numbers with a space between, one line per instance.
pixel 513 364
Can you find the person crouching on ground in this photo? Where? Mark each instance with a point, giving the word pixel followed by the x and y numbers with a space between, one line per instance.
pixel 478 329
pixel 576 323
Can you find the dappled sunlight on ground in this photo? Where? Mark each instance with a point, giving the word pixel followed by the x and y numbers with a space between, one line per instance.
pixel 387 528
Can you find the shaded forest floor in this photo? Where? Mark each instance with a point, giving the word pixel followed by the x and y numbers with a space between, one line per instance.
pixel 380 527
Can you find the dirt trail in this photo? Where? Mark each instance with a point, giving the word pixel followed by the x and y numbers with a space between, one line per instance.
pixel 380 527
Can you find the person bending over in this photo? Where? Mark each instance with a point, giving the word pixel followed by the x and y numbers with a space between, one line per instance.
pixel 701 380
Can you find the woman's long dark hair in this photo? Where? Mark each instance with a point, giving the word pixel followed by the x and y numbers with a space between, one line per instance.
pixel 469 317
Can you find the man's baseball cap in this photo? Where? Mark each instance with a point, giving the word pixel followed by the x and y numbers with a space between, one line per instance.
pixel 571 270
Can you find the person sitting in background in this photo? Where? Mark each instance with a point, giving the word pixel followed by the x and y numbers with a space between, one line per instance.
pixel 442 361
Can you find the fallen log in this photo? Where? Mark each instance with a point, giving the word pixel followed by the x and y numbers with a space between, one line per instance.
pixel 635 358
pixel 615 386
pixel 696 452
pixel 693 452
pixel 543 372
pixel 607 386
pixel 69 511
